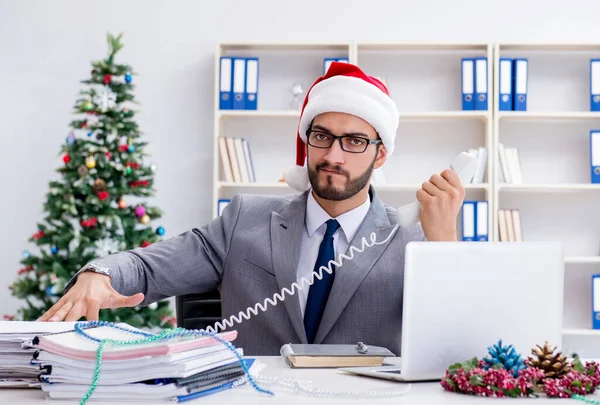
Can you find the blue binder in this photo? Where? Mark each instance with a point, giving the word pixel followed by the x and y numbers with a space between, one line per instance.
pixel 225 83
pixel 239 83
pixel 468 83
pixel 327 63
pixel 505 76
pixel 481 84
pixel 469 220
pixel 481 212
pixel 595 155
pixel 595 85
pixel 596 301
pixel 520 73
pixel 251 92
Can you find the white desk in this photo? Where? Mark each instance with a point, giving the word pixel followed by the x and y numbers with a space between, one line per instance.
pixel 331 379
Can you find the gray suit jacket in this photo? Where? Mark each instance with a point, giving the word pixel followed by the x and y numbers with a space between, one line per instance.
pixel 251 252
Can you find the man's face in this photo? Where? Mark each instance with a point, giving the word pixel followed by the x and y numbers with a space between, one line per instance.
pixel 336 174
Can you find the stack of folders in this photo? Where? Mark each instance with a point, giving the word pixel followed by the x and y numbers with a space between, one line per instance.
pixel 509 225
pixel 510 165
pixel 16 351
pixel 475 221
pixel 238 83
pixel 475 84
pixel 512 84
pixel 236 160
pixel 177 369
pixel 481 155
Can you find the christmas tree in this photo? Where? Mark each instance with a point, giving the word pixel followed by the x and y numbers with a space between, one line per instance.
pixel 98 206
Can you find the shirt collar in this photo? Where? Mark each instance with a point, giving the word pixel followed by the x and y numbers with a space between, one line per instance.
pixel 349 221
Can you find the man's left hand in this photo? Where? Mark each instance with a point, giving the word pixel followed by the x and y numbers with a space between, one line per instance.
pixel 441 199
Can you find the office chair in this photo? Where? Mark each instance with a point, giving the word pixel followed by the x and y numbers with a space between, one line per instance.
pixel 198 311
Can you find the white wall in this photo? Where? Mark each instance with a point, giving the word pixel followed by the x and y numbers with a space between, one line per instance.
pixel 46 48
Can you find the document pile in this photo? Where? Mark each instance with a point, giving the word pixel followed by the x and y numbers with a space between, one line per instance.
pixel 174 369
pixel 16 351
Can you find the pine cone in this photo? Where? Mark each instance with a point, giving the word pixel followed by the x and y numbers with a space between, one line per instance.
pixel 82 170
pixel 554 365
pixel 505 357
pixel 99 185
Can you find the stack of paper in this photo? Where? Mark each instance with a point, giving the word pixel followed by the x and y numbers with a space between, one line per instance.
pixel 175 369
pixel 16 351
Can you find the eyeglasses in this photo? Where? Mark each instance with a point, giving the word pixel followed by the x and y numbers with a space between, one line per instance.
pixel 348 143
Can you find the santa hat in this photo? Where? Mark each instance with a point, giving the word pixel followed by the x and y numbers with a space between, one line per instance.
pixel 347 89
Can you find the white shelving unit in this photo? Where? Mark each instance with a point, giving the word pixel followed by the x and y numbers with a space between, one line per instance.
pixel 556 199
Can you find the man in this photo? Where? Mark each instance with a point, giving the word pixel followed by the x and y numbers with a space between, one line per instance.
pixel 261 245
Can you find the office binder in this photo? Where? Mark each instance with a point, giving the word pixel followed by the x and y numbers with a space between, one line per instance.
pixel 595 85
pixel 595 155
pixel 481 211
pixel 251 92
pixel 596 301
pixel 505 96
pixel 239 83
pixel 225 83
pixel 468 221
pixel 342 60
pixel 326 63
pixel 468 83
pixel 481 84
pixel 520 79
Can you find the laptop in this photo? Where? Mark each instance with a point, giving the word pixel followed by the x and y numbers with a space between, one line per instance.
pixel 462 297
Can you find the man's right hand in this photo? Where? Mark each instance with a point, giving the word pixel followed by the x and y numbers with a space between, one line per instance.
pixel 89 294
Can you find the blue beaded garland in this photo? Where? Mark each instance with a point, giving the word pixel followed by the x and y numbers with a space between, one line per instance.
pixel 148 338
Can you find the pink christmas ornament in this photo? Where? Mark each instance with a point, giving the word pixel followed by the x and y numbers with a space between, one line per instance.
pixel 140 211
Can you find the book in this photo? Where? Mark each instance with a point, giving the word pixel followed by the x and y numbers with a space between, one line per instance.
pixel 332 356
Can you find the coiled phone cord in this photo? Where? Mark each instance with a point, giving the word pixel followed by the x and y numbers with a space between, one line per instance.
pixel 280 296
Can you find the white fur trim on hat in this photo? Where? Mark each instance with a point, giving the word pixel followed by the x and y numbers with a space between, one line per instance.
pixel 352 95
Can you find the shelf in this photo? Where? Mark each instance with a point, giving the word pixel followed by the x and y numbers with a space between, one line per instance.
pixel 427 115
pixel 582 259
pixel 581 332
pixel 548 187
pixel 549 47
pixel 258 114
pixel 278 46
pixel 435 115
pixel 423 46
pixel 382 187
pixel 548 115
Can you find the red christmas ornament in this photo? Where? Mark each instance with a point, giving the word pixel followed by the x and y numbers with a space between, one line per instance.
pixel 103 195
pixel 107 79
pixel 89 223
pixel 66 158
pixel 38 235
pixel 146 244
pixel 123 148
pixel 84 124
pixel 108 155
pixel 135 165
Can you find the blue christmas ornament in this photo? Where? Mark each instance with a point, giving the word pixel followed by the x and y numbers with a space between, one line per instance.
pixel 131 149
pixel 50 291
pixel 128 78
pixel 160 231
pixel 90 133
pixel 54 250
pixel 26 254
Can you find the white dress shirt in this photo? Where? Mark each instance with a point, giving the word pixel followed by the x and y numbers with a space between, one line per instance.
pixel 312 236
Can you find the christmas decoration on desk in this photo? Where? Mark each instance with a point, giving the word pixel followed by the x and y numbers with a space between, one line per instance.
pixel 506 374
pixel 554 365
pixel 85 211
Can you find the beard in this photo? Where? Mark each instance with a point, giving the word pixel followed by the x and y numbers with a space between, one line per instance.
pixel 330 192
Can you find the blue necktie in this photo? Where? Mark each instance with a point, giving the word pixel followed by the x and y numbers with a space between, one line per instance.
pixel 319 290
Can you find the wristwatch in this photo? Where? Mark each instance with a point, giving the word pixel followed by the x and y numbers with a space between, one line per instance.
pixel 92 266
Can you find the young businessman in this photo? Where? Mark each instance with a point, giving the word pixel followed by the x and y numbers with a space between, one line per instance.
pixel 263 244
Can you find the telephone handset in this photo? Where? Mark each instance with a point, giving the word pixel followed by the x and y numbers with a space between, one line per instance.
pixel 465 165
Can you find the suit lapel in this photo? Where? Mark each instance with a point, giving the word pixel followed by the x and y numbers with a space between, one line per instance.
pixel 286 238
pixel 350 275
